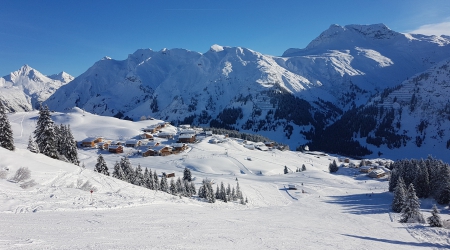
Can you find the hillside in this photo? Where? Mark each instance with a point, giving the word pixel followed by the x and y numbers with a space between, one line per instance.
pixel 59 213
pixel 409 120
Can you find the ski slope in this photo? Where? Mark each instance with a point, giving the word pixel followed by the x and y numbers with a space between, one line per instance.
pixel 345 210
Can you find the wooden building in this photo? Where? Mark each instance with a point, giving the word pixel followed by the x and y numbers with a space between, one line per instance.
pixel 186 138
pixel 116 149
pixel 91 141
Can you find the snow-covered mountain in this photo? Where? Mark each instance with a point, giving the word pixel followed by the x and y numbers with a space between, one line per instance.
pixel 408 120
pixel 24 89
pixel 289 98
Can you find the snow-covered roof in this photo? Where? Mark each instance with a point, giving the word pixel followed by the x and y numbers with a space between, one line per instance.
pixel 186 136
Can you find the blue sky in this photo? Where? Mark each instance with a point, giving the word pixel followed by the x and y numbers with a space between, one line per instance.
pixel 53 35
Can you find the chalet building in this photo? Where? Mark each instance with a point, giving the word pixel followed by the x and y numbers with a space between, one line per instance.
pixel 152 144
pixel 269 144
pixel 178 147
pixel 377 173
pixel 161 150
pixel 186 138
pixel 133 143
pixel 116 149
pixel 147 136
pixel 365 169
pixel 166 135
pixel 91 141
pixel 104 145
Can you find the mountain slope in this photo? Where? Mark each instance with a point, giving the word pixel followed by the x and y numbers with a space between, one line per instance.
pixel 288 98
pixel 26 88
pixel 409 120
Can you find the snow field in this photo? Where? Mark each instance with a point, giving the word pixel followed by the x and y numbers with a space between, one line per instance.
pixel 345 210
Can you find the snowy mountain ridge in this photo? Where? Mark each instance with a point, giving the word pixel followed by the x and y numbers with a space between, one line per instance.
pixel 24 89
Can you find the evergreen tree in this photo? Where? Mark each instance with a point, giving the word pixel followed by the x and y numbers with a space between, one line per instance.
pixel 155 181
pixel 127 169
pixel 233 194
pixel 210 196
pixel 228 191
pixel 303 168
pixel 222 195
pixel 172 188
pixel 218 196
pixel 150 180
pixel 101 166
pixel 399 196
pixel 145 179
pixel 45 134
pixel 118 172
pixel 164 186
pixel 444 195
pixel 70 146
pixel 6 133
pixel 192 189
pixel 187 188
pixel 138 176
pixel 32 146
pixel 422 182
pixel 238 191
pixel 286 170
pixel 333 167
pixel 435 219
pixel 187 174
pixel 411 209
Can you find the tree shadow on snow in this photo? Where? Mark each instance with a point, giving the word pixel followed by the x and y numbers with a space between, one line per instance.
pixel 368 203
pixel 415 244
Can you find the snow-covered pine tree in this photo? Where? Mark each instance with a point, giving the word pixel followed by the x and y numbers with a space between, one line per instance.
pixel 164 186
pixel 32 146
pixel 228 191
pixel 101 166
pixel 6 133
pixel 118 172
pixel 145 178
pixel 127 169
pixel 333 167
pixel 222 195
pixel 139 177
pixel 156 181
pixel 435 219
pixel 187 174
pixel 210 196
pixel 411 209
pixel 233 194
pixel 238 191
pixel 422 182
pixel 150 180
pixel 45 133
pixel 70 145
pixel 187 188
pixel 218 196
pixel 178 186
pixel 192 189
pixel 59 131
pixel 399 196
pixel 443 193
pixel 172 188
pixel 303 167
